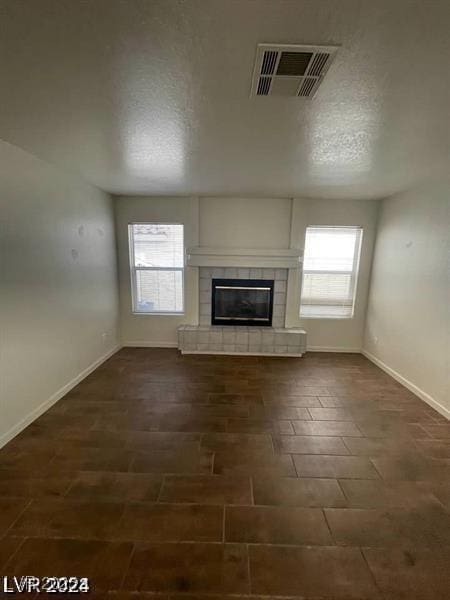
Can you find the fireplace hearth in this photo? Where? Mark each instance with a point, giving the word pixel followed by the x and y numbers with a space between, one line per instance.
pixel 246 302
pixel 241 308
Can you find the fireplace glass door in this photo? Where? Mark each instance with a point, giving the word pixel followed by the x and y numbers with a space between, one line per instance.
pixel 242 302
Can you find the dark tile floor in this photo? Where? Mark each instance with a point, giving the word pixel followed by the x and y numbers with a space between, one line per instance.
pixel 210 477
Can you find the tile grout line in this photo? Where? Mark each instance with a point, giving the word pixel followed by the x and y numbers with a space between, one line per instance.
pixel 374 579
pixel 223 523
pixel 295 466
pixel 249 570
pixel 252 493
pixel 70 486
pixel 329 527
pixel 342 438
pixel 158 497
pixel 380 475
pixel 8 529
pixel 338 480
pixel 125 573
pixel 272 442
pixel 19 547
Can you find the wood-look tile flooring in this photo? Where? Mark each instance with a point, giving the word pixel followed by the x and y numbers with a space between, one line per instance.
pixel 212 477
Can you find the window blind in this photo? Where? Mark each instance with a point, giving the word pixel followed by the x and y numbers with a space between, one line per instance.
pixel 157 267
pixel 330 271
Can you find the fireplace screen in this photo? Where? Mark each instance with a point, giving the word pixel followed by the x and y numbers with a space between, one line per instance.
pixel 242 302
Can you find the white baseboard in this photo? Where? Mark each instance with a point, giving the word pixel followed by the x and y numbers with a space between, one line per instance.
pixel 332 349
pixel 140 344
pixel 229 353
pixel 37 412
pixel 408 384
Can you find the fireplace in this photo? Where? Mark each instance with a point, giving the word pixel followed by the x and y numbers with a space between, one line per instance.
pixel 242 302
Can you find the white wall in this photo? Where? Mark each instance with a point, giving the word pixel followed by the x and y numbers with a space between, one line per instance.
pixel 58 285
pixel 155 330
pixel 408 318
pixel 245 223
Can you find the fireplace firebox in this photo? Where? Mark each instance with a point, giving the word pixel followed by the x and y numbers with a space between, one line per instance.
pixel 242 302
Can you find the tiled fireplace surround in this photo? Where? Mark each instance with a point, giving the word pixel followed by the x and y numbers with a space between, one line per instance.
pixel 275 340
pixel 207 274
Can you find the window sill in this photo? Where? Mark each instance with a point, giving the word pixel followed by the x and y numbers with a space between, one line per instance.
pixel 157 314
pixel 322 317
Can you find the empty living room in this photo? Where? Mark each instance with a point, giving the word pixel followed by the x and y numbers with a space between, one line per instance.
pixel 225 299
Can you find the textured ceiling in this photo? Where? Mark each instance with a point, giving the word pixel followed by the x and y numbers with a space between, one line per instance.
pixel 153 96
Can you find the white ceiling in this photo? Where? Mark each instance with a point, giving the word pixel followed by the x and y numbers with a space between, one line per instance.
pixel 153 96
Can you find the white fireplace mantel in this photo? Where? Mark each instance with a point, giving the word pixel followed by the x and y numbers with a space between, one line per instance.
pixel 243 257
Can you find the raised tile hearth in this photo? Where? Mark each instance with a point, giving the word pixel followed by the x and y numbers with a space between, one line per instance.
pixel 276 340
pixel 268 341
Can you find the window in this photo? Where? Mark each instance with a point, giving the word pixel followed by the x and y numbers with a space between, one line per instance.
pixel 330 272
pixel 157 267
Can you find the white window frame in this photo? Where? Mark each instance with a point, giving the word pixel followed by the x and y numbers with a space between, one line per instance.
pixel 134 269
pixel 354 273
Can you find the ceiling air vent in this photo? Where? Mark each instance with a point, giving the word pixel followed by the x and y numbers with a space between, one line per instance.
pixel 290 70
pixel 307 86
pixel 264 86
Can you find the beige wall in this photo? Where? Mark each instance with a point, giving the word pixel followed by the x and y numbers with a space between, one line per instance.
pixel 244 223
pixel 58 285
pixel 408 318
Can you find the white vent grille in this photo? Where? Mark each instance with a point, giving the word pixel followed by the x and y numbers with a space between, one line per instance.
pixel 264 86
pixel 269 62
pixel 307 86
pixel 290 70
